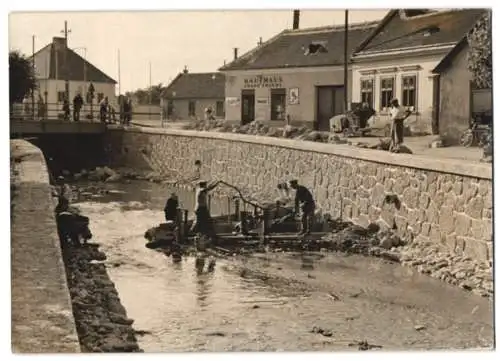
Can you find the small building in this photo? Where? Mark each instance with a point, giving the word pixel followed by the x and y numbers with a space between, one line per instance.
pixel 459 98
pixel 55 63
pixel 397 60
pixel 189 94
pixel 296 76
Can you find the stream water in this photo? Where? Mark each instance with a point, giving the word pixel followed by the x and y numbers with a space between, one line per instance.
pixel 271 302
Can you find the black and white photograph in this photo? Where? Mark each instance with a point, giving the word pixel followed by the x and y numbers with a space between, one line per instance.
pixel 274 179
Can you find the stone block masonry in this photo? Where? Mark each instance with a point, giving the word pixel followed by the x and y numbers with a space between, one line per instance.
pixel 42 317
pixel 445 201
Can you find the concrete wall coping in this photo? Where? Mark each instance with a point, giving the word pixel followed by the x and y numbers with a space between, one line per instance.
pixel 442 165
pixel 42 313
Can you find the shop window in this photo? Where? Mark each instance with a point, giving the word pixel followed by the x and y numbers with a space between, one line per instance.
pixel 278 104
pixel 409 92
pixel 219 108
pixel 60 96
pixel 386 92
pixel 367 91
pixel 192 108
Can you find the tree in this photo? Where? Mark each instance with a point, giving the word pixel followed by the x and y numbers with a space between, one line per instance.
pixel 142 95
pixel 22 80
pixel 479 57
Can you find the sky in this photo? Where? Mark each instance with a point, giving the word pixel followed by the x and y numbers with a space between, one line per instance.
pixel 169 40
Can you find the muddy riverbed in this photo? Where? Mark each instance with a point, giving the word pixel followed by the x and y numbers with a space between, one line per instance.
pixel 278 301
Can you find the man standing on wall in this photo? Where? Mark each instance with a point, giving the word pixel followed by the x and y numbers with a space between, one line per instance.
pixel 304 199
pixel 398 116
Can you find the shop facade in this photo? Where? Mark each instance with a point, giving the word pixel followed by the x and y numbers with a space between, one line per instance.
pixel 295 77
pixel 308 96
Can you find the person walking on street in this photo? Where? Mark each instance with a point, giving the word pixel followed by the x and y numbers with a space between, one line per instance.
pixel 77 107
pixel 398 116
pixel 304 199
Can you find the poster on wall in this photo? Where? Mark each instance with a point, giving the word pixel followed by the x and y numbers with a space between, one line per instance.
pixel 263 101
pixel 293 97
pixel 233 101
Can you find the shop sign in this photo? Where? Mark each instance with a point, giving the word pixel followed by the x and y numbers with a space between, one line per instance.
pixel 263 101
pixel 263 81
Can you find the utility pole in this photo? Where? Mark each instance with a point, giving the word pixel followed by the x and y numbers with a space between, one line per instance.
pixel 34 74
pixel 119 75
pixel 346 62
pixel 66 68
pixel 150 91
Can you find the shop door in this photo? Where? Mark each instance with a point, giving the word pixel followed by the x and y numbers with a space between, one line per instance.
pixel 278 104
pixel 247 106
pixel 330 102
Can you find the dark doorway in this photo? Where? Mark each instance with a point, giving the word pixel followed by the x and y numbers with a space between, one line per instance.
pixel 435 104
pixel 247 106
pixel 330 102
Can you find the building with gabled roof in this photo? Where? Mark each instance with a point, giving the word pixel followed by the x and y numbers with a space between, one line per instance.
pixel 55 63
pixel 297 75
pixel 189 94
pixel 397 60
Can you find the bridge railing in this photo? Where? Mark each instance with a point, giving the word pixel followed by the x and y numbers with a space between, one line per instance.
pixel 88 113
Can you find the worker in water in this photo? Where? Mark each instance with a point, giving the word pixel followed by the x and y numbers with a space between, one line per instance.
pixel 203 221
pixel 171 208
pixel 303 199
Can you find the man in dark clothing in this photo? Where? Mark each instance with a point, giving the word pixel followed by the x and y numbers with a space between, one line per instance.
pixel 77 107
pixel 171 208
pixel 304 199
pixel 66 109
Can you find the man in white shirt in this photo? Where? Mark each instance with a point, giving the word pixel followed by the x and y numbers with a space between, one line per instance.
pixel 203 221
pixel 398 115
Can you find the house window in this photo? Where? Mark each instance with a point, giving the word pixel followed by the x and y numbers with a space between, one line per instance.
pixel 409 95
pixel 278 104
pixel 192 108
pixel 100 96
pixel 219 108
pixel 60 96
pixel 386 92
pixel 367 91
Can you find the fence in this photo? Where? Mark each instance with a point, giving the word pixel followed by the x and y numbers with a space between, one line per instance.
pixel 88 113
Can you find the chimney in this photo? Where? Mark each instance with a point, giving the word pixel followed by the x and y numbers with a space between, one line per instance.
pixel 296 19
pixel 235 53
pixel 260 41
pixel 59 43
pixel 185 71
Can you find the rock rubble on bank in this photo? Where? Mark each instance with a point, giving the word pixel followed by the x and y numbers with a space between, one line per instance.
pixel 101 320
pixel 287 131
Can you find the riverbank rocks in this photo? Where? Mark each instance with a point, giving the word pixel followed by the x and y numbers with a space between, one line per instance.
pixel 101 320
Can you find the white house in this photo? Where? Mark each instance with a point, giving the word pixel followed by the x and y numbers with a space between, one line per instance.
pixel 397 61
pixel 55 63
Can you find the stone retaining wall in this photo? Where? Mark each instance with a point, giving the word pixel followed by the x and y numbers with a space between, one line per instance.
pixel 42 316
pixel 445 201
